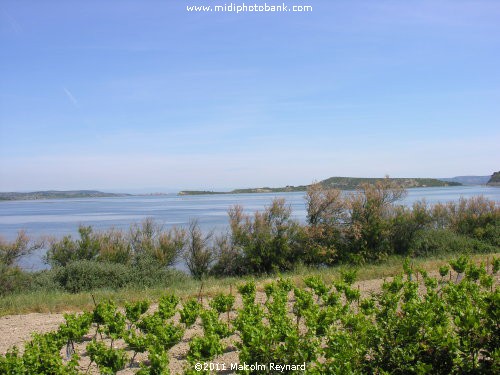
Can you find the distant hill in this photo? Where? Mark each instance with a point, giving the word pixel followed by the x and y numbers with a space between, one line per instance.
pixel 468 180
pixel 495 179
pixel 54 194
pixel 245 191
pixel 350 183
pixel 270 190
pixel 343 183
pixel 200 192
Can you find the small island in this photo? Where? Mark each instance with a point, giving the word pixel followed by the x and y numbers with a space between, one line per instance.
pixel 56 194
pixel 342 183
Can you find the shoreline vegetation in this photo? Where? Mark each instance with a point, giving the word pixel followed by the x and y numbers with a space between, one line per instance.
pixel 359 228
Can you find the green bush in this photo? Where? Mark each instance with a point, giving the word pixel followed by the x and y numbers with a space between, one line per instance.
pixel 145 239
pixel 469 215
pixel 443 241
pixel 145 272
pixel 67 250
pixel 43 281
pixel 406 223
pixel 86 275
pixel 230 260
pixel 13 279
pixel 490 233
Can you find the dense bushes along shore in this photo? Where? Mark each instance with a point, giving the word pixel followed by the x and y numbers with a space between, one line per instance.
pixel 364 226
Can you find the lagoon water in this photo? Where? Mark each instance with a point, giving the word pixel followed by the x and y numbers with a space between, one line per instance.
pixel 59 217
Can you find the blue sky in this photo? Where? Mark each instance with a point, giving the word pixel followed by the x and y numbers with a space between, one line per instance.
pixel 130 95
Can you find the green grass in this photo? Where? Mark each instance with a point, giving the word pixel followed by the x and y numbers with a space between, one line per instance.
pixel 57 301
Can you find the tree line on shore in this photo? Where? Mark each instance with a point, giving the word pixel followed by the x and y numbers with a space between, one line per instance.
pixel 367 225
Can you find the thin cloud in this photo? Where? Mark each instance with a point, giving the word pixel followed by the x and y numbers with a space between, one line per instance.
pixel 70 96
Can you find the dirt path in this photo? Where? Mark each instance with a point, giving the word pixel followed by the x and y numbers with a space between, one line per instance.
pixel 16 329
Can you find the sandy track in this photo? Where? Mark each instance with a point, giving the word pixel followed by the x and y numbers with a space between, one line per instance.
pixel 16 329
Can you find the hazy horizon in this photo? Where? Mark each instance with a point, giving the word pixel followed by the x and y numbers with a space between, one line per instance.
pixel 148 96
pixel 174 190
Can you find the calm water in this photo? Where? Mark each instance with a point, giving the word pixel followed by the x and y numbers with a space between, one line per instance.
pixel 60 217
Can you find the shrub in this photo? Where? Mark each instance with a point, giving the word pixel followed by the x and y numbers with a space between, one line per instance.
pixel 145 272
pixel 475 217
pixel 325 206
pixel 230 260
pixel 67 250
pixel 147 239
pixel 12 279
pixel 86 275
pixel 15 280
pixel 326 216
pixel 371 208
pixel 151 239
pixel 406 223
pixel 114 247
pixel 43 281
pixel 444 241
pixel 269 240
pixel 322 244
pixel 199 256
